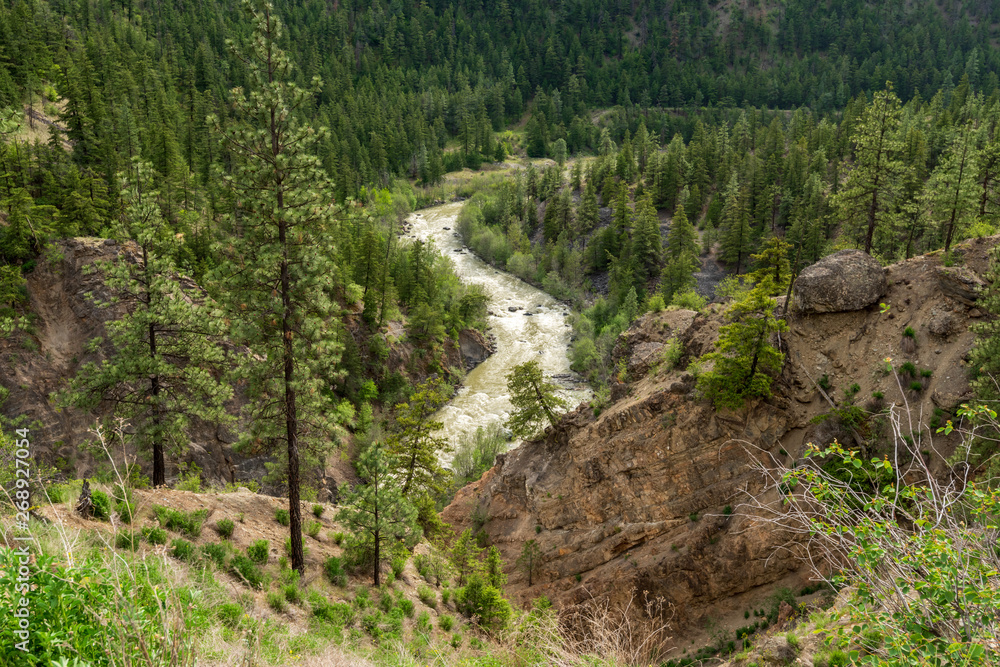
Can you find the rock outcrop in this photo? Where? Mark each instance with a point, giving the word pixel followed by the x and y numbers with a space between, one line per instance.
pixel 475 347
pixel 656 492
pixel 844 281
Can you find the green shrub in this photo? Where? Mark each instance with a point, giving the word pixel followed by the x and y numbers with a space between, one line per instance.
pixel 276 602
pixel 229 613
pixel 908 332
pixel 58 493
pixel 445 595
pixel 446 622
pixel 215 553
pixel 483 602
pixel 338 538
pixel 693 516
pixel 427 595
pixel 259 551
pixel 124 503
pixel 908 368
pixel 397 564
pixel 190 481
pixel 78 615
pixel 101 504
pixel 126 540
pixel 338 613
pixel 154 535
pixel 247 570
pixel 656 303
pixel 424 622
pixel 334 571
pixel 281 516
pixel 292 592
pixel 318 510
pixel 313 528
pixel 181 522
pixel 181 549
pixel 690 300
pixel 406 606
pixel 225 527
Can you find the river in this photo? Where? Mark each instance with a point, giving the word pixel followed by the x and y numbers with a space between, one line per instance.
pixel 544 335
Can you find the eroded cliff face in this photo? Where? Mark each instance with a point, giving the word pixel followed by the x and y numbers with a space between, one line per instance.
pixel 652 494
pixel 36 362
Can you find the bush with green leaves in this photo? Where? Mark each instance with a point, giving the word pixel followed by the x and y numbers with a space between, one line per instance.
pixel 101 504
pixel 427 595
pixel 318 510
pixel 921 549
pixel 333 570
pixel 259 551
pixel 446 622
pixel 215 553
pixel 182 550
pixel 484 603
pixel 313 528
pixel 689 300
pixel 125 539
pixel 154 535
pixel 84 613
pixel 246 569
pixel 745 362
pixel 339 614
pixel 282 517
pixel 229 613
pixel 188 523
pixel 276 601
pixel 225 527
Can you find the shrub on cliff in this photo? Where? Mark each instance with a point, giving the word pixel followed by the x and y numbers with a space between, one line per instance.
pixel 744 358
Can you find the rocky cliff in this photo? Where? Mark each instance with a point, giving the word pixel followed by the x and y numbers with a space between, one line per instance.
pixel 649 494
pixel 38 361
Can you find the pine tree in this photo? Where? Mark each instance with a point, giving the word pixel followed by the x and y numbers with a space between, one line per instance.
pixel 678 275
pixel 465 556
pixel 771 263
pixel 867 203
pixel 278 275
pixel 745 361
pixel 378 512
pixel 494 569
pixel 162 371
pixel 950 193
pixel 530 559
pixel 586 217
pixel 682 238
pixel 414 451
pixel 535 401
pixel 647 248
pixel 735 226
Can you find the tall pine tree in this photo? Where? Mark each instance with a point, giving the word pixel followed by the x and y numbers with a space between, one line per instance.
pixel 278 275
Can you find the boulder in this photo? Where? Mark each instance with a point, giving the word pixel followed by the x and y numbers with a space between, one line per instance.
pixel 846 280
pixel 960 283
pixel 475 347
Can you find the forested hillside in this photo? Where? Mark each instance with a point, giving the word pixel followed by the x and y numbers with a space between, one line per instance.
pixel 216 194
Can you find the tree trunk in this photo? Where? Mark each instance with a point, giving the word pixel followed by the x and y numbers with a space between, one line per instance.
pixel 159 465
